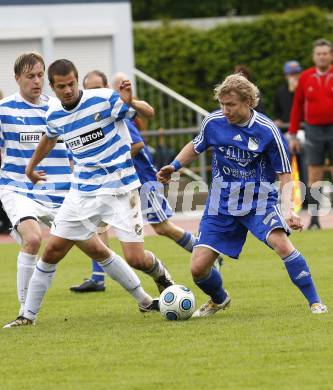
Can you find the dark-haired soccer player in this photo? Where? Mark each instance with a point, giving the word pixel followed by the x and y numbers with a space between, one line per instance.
pixel 156 209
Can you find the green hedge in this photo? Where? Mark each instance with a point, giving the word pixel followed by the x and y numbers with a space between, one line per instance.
pixel 171 9
pixel 192 61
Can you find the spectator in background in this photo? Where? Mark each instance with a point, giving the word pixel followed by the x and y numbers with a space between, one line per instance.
pixel 313 103
pixel 285 93
pixel 245 71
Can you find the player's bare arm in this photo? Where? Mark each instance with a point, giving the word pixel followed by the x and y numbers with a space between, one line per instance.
pixel 185 156
pixel 286 186
pixel 44 147
pixel 140 106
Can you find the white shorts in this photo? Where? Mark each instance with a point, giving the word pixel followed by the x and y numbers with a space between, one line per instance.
pixel 19 208
pixel 80 217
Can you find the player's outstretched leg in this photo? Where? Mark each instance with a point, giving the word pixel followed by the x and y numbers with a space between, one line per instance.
pixel 300 275
pixel 209 280
pixel 159 273
pixel 297 269
pixel 117 268
pixel 168 229
pixel 148 263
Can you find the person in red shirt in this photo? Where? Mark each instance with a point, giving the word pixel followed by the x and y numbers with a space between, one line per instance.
pixel 313 104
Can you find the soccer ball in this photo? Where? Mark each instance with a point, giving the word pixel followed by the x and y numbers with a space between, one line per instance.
pixel 177 303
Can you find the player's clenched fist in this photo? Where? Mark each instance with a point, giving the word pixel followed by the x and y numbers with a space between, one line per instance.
pixel 164 174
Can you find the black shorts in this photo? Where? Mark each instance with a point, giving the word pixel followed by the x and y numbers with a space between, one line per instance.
pixel 318 144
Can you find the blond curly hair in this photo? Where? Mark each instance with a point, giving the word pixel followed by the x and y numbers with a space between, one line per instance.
pixel 237 83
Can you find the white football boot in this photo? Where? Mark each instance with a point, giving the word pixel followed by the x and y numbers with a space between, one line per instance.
pixel 19 321
pixel 209 308
pixel 318 308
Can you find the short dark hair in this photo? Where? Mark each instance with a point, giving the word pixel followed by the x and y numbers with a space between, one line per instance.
pixel 97 73
pixel 61 67
pixel 26 61
pixel 322 42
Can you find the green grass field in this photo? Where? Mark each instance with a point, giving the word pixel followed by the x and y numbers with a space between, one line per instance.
pixel 268 339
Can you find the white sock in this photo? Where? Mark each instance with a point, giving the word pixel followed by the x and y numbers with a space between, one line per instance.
pixel 25 267
pixel 118 269
pixel 157 268
pixel 39 283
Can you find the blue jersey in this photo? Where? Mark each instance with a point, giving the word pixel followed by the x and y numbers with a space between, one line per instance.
pixel 245 161
pixel 98 139
pixel 143 161
pixel 22 125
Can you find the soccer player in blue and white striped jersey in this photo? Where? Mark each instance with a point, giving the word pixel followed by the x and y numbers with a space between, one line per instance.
pixel 22 125
pixel 155 207
pixel 103 191
pixel 248 154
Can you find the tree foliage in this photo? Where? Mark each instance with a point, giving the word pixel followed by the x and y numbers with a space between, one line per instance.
pixel 171 9
pixel 193 61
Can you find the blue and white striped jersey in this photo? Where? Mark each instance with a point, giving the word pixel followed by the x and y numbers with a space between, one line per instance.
pixel 245 161
pixel 98 139
pixel 22 125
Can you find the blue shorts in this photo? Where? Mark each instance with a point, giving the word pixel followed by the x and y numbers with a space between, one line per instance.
pixel 155 207
pixel 226 234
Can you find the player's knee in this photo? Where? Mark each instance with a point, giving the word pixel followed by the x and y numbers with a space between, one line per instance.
pixel 53 253
pixel 199 269
pixel 281 244
pixel 135 259
pixel 32 242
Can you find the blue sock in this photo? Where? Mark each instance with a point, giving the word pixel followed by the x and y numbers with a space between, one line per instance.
pixel 212 286
pixel 300 275
pixel 187 241
pixel 97 272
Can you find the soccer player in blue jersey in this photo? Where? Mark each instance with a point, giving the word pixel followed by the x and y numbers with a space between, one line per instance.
pixel 103 191
pixel 156 210
pixel 22 124
pixel 248 154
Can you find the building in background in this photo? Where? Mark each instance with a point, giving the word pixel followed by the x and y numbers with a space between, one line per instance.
pixel 92 34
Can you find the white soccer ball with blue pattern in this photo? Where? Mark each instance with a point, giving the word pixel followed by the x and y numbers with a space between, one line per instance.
pixel 177 303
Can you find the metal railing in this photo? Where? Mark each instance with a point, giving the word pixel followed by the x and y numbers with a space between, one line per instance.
pixel 176 122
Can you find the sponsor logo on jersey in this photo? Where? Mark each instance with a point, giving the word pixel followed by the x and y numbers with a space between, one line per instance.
pixel 240 156
pixel 31 137
pixel 85 139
